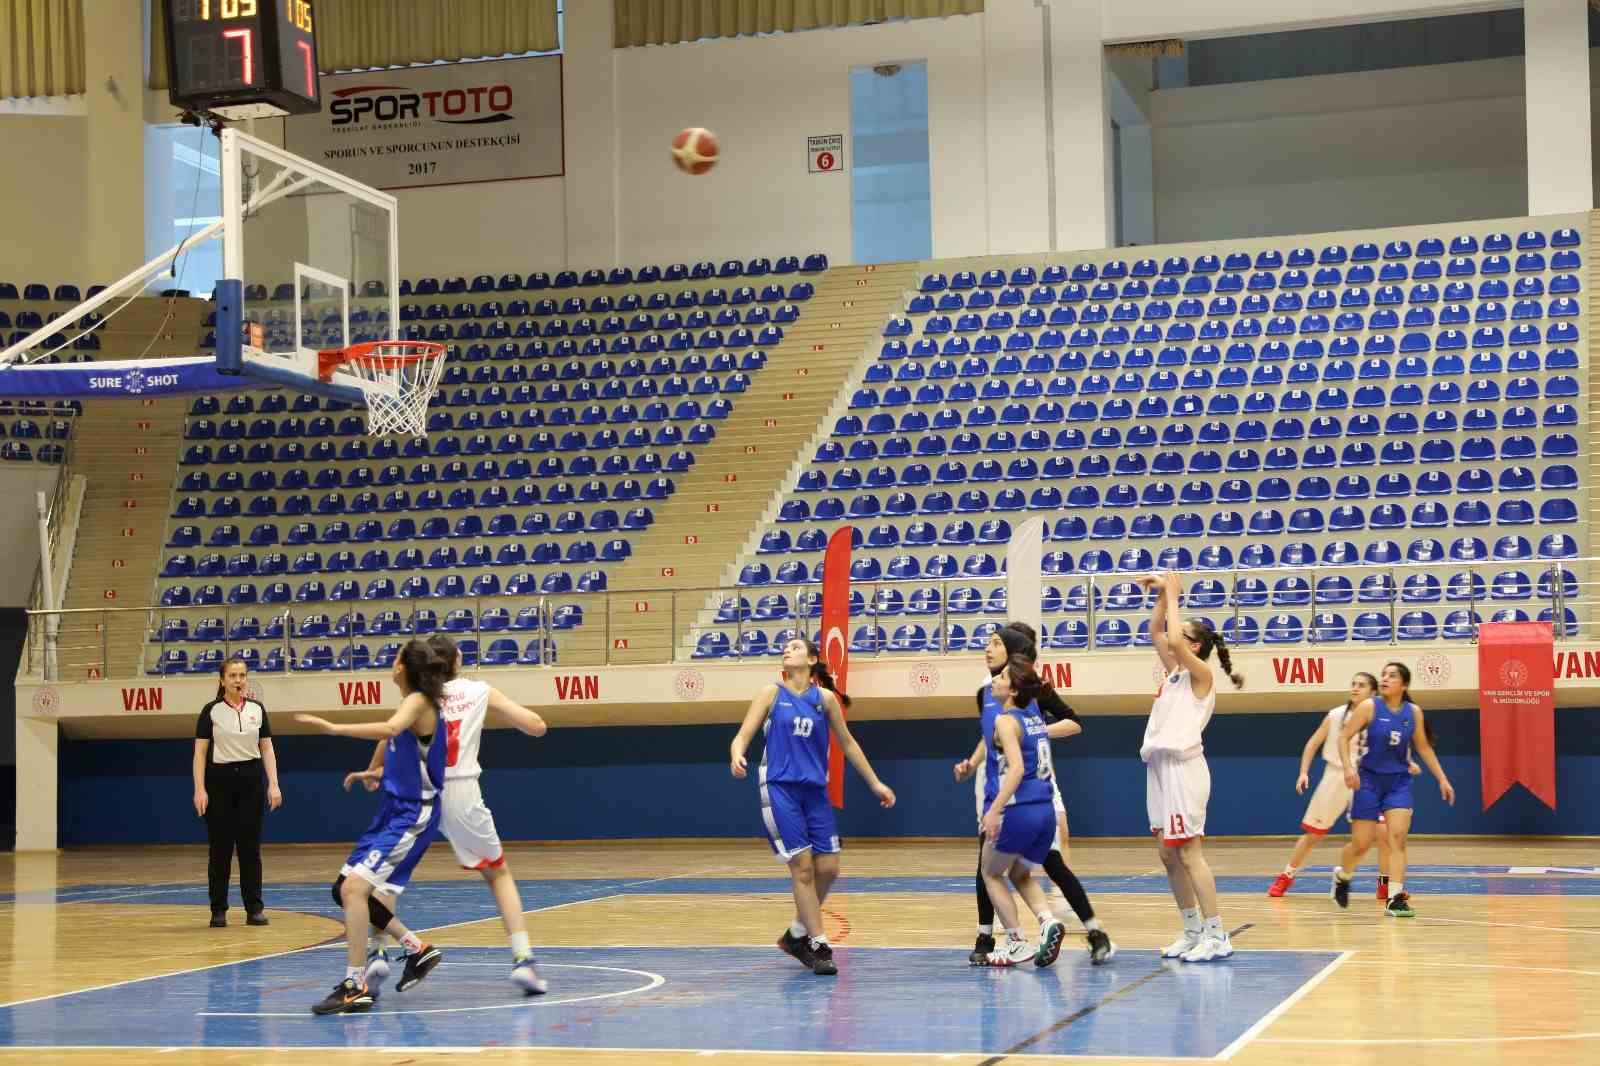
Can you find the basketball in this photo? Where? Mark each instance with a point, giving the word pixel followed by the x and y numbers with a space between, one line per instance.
pixel 695 150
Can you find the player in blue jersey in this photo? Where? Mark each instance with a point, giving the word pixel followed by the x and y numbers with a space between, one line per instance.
pixel 797 716
pixel 406 822
pixel 1019 823
pixel 1392 726
pixel 1019 638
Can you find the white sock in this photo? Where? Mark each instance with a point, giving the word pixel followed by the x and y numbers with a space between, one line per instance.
pixel 374 943
pixel 797 929
pixel 354 973
pixel 1045 916
pixel 1290 871
pixel 819 941
pixel 1213 927
pixel 1092 924
pixel 411 942
pixel 1014 934
pixel 1191 919
pixel 986 930
pixel 520 945
pixel 1396 888
pixel 1339 874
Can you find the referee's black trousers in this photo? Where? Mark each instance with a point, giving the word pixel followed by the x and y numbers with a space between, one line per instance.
pixel 237 800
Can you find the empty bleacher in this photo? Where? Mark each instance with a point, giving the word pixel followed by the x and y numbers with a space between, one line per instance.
pixel 1373 441
pixel 558 428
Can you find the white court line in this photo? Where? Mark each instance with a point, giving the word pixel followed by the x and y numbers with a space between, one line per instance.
pixel 253 958
pixel 1407 1040
pixel 655 981
pixel 571 1050
pixel 1244 1038
pixel 1515 925
pixel 1375 961
pixel 59 901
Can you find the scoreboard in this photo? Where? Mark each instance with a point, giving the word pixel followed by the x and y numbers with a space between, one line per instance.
pixel 242 58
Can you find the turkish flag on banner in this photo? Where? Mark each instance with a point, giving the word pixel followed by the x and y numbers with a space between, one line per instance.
pixel 1516 709
pixel 836 640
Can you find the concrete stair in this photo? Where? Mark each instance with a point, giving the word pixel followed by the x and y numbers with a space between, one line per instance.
pixel 701 532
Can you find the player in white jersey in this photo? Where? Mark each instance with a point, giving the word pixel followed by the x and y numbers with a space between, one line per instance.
pixel 466 822
pixel 1177 780
pixel 1331 798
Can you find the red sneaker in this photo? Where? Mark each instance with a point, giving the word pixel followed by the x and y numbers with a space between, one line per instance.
pixel 1280 886
pixel 1383 888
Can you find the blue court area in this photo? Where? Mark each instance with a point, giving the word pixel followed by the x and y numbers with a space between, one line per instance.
pixel 710 998
pixel 701 999
pixel 432 904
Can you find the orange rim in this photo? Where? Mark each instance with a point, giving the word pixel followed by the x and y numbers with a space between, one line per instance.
pixel 367 354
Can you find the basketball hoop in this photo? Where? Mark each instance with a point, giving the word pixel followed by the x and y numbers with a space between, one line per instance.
pixel 398 378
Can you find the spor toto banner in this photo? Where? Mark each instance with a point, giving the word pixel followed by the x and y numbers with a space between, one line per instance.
pixel 439 125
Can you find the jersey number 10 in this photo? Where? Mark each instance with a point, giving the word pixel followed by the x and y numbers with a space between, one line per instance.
pixel 803 727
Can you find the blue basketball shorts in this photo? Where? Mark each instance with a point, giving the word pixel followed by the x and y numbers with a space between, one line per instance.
pixel 798 817
pixel 394 843
pixel 1378 793
pixel 1028 830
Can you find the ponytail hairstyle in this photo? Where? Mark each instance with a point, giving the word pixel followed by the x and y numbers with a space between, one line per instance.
pixel 1405 676
pixel 1026 684
pixel 821 675
pixel 446 649
pixel 1208 638
pixel 222 672
pixel 1372 683
pixel 425 670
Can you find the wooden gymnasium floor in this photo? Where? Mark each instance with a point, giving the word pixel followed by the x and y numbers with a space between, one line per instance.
pixel 665 950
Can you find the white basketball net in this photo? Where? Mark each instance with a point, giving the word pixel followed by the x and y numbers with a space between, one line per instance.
pixel 398 379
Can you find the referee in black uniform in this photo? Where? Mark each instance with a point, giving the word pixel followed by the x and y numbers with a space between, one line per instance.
pixel 232 744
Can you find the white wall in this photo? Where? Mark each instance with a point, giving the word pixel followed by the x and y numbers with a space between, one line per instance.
pixel 762 96
pixel 19 527
pixel 1147 20
pixel 1345 151
pixel 490 228
pixel 42 193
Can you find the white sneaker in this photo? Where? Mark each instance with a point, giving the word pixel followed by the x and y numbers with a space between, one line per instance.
pixel 1182 945
pixel 1051 933
pixel 1012 951
pixel 1209 949
pixel 377 970
pixel 526 977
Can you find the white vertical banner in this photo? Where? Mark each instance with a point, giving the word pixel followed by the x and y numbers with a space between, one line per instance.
pixel 1024 583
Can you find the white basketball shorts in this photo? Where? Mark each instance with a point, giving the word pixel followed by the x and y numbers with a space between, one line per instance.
pixel 1176 792
pixel 1329 802
pixel 468 825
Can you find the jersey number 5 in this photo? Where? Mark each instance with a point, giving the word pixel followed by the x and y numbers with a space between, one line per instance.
pixel 1395 738
pixel 803 727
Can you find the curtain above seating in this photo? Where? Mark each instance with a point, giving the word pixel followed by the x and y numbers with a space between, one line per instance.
pixel 41 48
pixel 641 22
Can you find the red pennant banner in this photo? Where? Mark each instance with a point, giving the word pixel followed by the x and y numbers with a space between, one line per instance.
pixel 1516 709
pixel 836 639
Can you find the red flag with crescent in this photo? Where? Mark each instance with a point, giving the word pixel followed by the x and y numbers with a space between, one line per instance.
pixel 836 640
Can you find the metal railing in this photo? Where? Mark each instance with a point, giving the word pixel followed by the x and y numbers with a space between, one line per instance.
pixel 1246 607
pixel 56 510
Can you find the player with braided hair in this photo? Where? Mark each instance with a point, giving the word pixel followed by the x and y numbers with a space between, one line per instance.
pixel 1177 780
